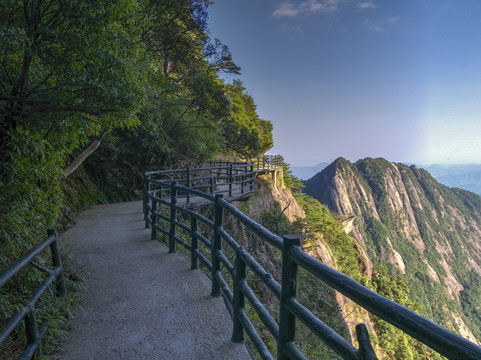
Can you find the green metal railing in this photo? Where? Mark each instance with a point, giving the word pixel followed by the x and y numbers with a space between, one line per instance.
pixel 232 180
pixel 261 163
pixel 161 214
pixel 27 312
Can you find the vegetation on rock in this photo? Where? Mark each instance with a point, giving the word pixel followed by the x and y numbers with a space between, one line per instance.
pixel 419 230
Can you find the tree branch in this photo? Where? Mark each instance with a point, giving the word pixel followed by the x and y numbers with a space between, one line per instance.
pixel 41 106
pixel 180 117
pixel 81 158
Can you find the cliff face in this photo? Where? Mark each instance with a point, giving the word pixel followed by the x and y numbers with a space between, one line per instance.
pixel 277 200
pixel 404 219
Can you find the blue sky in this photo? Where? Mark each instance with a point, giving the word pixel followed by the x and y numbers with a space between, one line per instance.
pixel 357 78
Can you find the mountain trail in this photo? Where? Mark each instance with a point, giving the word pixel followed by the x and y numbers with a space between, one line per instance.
pixel 140 302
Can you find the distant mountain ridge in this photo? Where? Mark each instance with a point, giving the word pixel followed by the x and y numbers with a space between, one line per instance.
pixel 306 172
pixel 407 221
pixel 467 177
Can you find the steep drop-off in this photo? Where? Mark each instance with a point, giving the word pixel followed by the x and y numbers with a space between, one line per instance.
pixel 404 219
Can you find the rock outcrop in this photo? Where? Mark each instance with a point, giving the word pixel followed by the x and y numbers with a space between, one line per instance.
pixel 404 219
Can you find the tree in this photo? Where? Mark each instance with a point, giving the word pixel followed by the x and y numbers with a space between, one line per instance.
pixel 69 70
pixel 245 133
pixel 181 122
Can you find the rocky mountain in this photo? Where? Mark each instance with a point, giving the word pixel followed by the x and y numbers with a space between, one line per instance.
pixel 417 228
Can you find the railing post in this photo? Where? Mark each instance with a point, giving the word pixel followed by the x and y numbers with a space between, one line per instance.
pixel 239 300
pixel 366 351
pixel 188 185
pixel 216 243
pixel 287 321
pixel 252 177
pixel 173 216
pixel 153 217
pixel 243 179
pixel 194 242
pixel 231 180
pixel 146 199
pixel 31 328
pixel 57 262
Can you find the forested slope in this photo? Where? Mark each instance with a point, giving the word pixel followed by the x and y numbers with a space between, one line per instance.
pixel 92 93
pixel 128 85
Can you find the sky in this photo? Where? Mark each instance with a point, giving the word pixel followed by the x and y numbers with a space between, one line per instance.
pixel 399 79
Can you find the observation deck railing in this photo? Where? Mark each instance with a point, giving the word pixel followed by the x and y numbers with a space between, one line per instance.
pixel 260 163
pixel 205 238
pixel 234 180
pixel 27 311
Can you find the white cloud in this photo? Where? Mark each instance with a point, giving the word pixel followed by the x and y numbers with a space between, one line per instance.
pixel 366 5
pixel 288 9
pixel 380 25
pixel 375 26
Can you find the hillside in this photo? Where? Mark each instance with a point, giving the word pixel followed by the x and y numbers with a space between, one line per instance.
pixel 404 219
pixel 92 95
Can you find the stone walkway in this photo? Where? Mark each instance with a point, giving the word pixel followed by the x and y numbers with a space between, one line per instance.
pixel 140 302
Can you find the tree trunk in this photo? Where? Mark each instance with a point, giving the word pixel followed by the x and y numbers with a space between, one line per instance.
pixel 81 158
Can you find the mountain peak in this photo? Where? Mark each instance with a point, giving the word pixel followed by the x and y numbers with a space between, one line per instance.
pixel 415 226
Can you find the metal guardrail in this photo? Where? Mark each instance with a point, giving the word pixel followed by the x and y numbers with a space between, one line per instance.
pixel 232 180
pixel 161 216
pixel 261 163
pixel 28 311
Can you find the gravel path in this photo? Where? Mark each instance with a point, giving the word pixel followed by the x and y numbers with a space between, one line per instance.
pixel 140 302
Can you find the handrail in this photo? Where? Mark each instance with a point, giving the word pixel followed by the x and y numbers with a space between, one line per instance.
pixel 234 180
pixel 260 163
pixel 429 333
pixel 28 311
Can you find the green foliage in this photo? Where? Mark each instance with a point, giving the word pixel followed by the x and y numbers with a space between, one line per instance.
pixel 470 295
pixel 379 234
pixel 395 343
pixel 319 223
pixel 143 76
pixel 291 181
pixel 275 221
pixel 189 116
pixel 320 299
pixel 246 135
pixel 374 172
